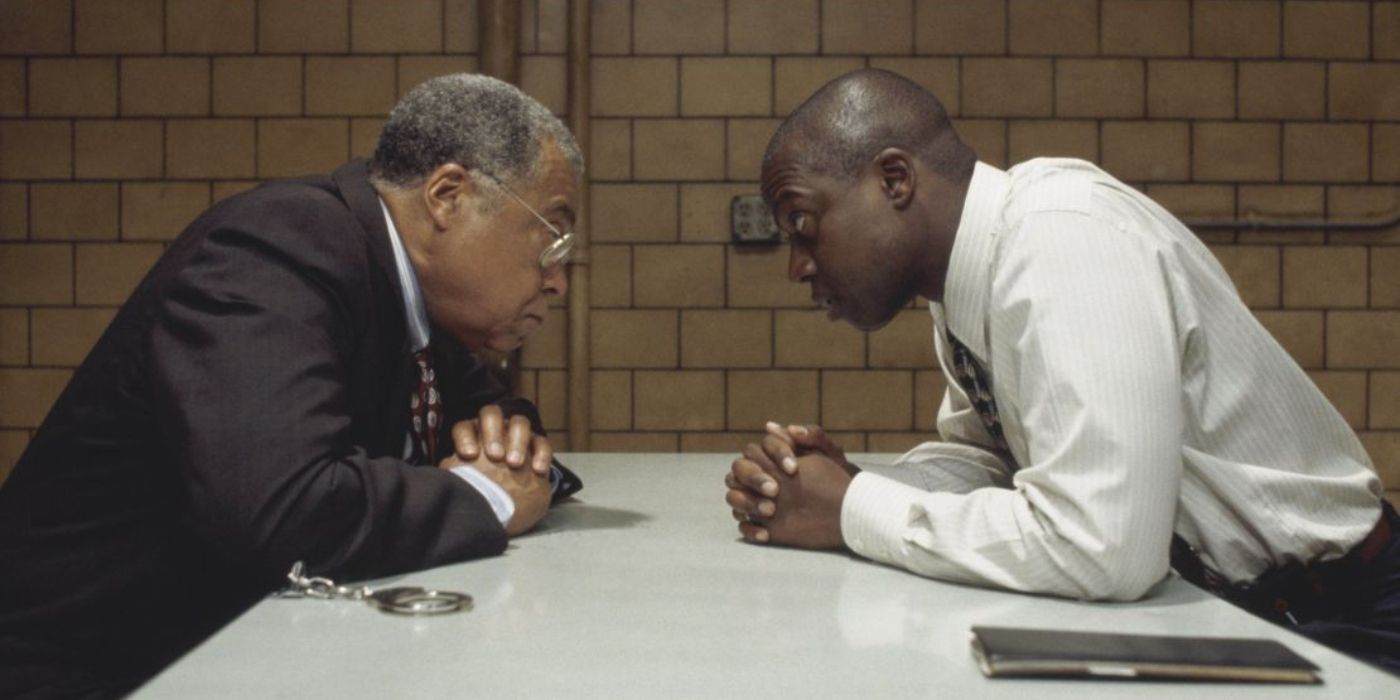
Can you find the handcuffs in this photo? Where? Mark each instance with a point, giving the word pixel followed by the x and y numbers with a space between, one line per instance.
pixel 399 600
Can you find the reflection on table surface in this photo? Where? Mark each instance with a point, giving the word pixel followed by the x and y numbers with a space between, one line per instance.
pixel 640 587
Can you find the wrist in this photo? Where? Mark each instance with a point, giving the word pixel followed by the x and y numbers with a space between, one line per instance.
pixel 836 538
pixel 500 500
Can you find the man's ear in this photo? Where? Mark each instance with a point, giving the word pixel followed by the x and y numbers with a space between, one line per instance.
pixel 897 176
pixel 447 193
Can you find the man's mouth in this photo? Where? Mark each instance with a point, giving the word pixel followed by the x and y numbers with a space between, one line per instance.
pixel 832 312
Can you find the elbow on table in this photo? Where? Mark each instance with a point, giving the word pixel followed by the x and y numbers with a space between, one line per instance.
pixel 1123 579
pixel 1118 568
pixel 308 518
pixel 1127 589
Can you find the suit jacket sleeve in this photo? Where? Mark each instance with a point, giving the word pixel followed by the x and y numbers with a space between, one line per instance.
pixel 253 350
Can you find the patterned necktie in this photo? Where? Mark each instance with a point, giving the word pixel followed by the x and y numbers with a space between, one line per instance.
pixel 969 375
pixel 425 407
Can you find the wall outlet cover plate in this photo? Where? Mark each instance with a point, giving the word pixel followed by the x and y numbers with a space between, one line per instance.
pixel 750 222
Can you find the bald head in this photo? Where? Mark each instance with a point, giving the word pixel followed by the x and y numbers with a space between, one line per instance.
pixel 849 120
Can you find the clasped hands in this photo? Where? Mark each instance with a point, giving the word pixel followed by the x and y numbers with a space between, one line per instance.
pixel 788 489
pixel 510 453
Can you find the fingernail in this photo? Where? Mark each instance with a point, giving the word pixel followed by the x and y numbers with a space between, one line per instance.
pixel 496 447
pixel 770 488
pixel 797 430
pixel 773 427
pixel 765 509
pixel 761 535
pixel 515 457
pixel 789 465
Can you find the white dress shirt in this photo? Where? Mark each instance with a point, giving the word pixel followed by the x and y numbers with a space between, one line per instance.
pixel 1138 396
pixel 418 336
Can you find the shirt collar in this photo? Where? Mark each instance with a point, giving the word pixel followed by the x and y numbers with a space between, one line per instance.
pixel 413 308
pixel 968 286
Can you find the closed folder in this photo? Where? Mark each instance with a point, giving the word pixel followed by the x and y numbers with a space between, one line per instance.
pixel 1016 652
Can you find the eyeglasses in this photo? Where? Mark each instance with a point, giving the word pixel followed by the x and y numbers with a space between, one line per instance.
pixel 556 253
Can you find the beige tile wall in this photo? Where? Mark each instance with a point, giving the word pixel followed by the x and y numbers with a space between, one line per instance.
pixel 122 119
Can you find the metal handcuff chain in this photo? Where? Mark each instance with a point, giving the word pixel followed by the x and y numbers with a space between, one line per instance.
pixel 398 600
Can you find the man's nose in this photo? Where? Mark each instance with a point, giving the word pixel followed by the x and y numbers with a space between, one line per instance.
pixel 801 266
pixel 556 280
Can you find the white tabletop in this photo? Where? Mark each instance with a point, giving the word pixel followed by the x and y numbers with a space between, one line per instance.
pixel 641 588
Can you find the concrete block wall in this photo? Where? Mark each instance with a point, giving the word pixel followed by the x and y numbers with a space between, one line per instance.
pixel 122 119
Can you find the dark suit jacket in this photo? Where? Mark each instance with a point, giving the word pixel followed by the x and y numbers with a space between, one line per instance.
pixel 247 408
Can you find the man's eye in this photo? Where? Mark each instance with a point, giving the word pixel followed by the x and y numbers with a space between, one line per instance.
pixel 798 222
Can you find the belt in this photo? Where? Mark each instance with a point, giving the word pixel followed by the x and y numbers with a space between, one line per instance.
pixel 1295 588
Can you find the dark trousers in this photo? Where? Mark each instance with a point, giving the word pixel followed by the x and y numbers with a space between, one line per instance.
pixel 1352 607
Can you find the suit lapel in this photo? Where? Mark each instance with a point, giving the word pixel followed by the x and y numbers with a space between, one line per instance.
pixel 397 372
pixel 395 428
pixel 352 179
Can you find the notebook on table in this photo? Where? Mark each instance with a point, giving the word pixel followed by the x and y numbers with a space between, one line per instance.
pixel 1039 653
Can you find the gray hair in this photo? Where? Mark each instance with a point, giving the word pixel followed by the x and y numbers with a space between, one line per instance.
pixel 478 122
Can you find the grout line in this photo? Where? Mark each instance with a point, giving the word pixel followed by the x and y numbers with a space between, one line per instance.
pixel 72 150
pixel 913 29
pixel 724 398
pixel 1190 28
pixel 28 211
pixel 209 66
pixel 1006 28
pixel 257 169
pixel 1098 27
pixel 304 81
pixel 1235 65
pixel 724 17
pixel 539 19
pixel 73 261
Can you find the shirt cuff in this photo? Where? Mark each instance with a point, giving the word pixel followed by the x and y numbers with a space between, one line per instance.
pixel 501 502
pixel 875 516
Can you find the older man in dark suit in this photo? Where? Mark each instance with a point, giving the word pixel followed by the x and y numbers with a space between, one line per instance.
pixel 273 388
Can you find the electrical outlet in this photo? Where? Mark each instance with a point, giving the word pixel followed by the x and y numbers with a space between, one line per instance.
pixel 750 222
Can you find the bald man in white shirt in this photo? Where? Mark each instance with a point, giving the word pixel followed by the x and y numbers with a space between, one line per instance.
pixel 1113 408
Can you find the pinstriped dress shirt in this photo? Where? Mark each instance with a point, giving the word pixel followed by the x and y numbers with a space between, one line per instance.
pixel 1138 396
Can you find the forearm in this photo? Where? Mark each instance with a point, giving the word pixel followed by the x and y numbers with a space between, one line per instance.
pixel 361 517
pixel 994 537
pixel 946 467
